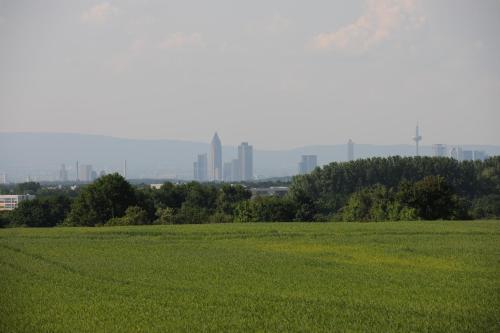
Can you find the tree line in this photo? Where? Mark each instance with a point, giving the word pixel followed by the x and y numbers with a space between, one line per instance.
pixel 375 189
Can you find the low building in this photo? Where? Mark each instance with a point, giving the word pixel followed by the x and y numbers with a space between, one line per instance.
pixel 11 201
pixel 273 191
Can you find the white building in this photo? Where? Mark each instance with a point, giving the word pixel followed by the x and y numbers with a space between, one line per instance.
pixel 10 201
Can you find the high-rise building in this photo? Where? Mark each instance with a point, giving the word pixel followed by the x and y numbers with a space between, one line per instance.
pixel 479 155
pixel 439 150
pixel 3 178
pixel 63 173
pixel 456 153
pixel 215 159
pixel 307 164
pixel 417 138
pixel 350 150
pixel 227 175
pixel 245 157
pixel 200 168
pixel 235 170
pixel 85 172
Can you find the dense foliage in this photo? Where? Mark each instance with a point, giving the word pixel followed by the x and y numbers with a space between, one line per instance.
pixel 376 189
pixel 419 187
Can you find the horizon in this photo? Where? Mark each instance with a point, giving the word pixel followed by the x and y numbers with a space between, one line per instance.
pixel 232 145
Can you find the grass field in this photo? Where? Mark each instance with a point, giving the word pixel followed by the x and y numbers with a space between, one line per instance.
pixel 411 276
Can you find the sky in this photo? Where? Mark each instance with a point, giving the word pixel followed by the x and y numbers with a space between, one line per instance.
pixel 279 74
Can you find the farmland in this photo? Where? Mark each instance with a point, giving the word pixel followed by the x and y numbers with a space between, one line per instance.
pixel 388 276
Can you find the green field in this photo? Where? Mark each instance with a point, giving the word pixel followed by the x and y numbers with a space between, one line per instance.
pixel 402 276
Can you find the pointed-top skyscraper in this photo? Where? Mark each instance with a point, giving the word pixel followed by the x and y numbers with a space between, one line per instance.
pixel 215 159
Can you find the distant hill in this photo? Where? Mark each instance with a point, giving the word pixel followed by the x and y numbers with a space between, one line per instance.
pixel 40 155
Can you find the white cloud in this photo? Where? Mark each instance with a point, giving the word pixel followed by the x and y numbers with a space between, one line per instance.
pixel 100 13
pixel 381 19
pixel 182 40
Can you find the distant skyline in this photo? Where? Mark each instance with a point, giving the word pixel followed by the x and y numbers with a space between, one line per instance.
pixel 278 74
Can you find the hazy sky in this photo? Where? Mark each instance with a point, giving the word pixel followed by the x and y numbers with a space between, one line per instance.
pixel 279 74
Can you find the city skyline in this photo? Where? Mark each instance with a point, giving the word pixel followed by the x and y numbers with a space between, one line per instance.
pixel 48 151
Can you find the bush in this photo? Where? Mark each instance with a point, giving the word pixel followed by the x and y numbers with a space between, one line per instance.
pixel 221 218
pixel 191 215
pixel 486 207
pixel 134 215
pixel 165 216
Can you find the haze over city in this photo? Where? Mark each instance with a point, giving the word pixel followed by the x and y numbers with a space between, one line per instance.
pixel 277 74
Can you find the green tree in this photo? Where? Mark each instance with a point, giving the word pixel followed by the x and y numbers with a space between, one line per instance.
pixel 431 197
pixel 486 207
pixel 106 198
pixel 229 196
pixel 28 188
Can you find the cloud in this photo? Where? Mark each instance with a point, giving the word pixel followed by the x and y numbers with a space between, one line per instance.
pixel 182 40
pixel 100 13
pixel 381 19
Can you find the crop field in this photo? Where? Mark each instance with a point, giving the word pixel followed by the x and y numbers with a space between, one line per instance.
pixel 281 277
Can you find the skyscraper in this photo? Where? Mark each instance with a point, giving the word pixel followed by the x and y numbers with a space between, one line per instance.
pixel 307 164
pixel 200 168
pixel 245 157
pixel 85 172
pixel 350 150
pixel 215 159
pixel 63 173
pixel 228 172
pixel 236 170
pixel 417 138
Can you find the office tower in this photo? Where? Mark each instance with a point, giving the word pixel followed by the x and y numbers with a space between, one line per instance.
pixel 77 172
pixel 350 150
pixel 228 172
pixel 215 159
pixel 236 170
pixel 125 169
pixel 417 138
pixel 93 175
pixel 307 164
pixel 85 172
pixel 245 157
pixel 439 150
pixel 63 173
pixel 456 153
pixel 200 168
pixel 467 155
pixel 102 173
pixel 3 179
